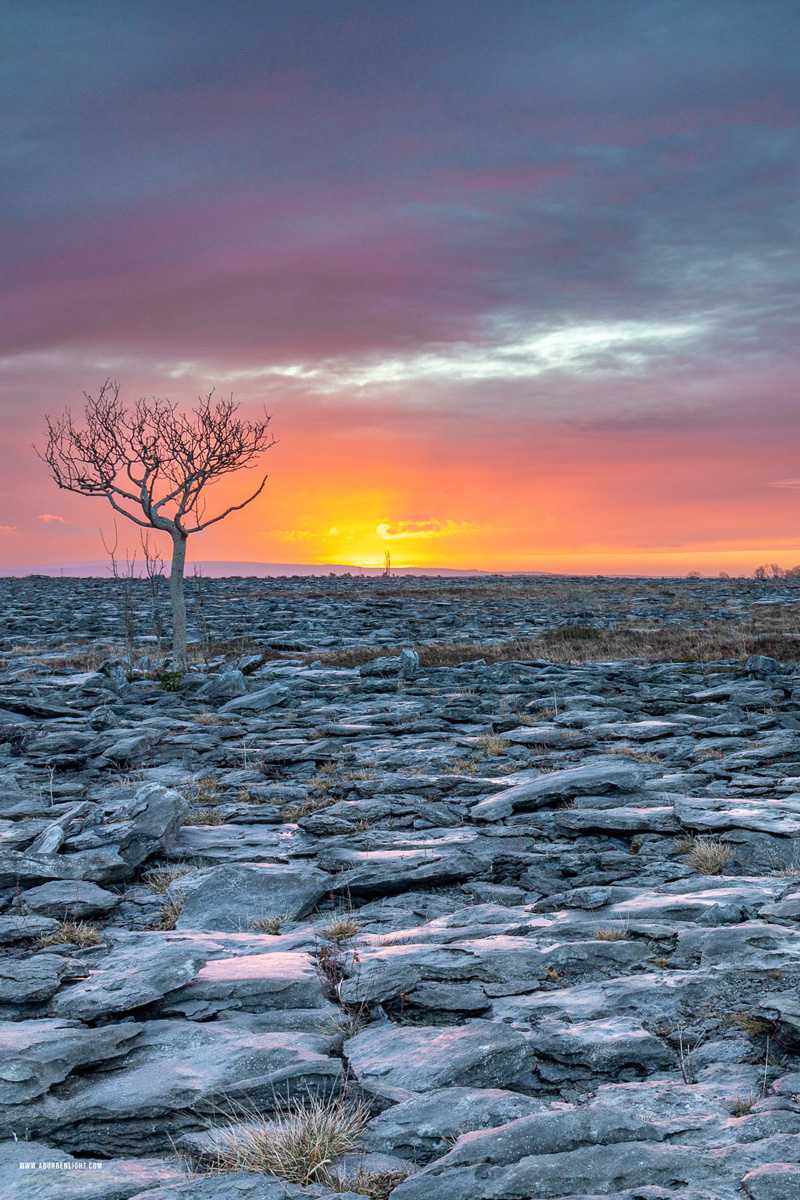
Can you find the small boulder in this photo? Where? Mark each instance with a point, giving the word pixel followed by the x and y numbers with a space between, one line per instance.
pixel 227 685
pixel 69 898
pixel 231 898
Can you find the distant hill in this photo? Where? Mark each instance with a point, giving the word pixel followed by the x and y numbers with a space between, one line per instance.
pixel 218 570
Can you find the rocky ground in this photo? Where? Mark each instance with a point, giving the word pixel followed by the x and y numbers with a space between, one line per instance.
pixel 539 919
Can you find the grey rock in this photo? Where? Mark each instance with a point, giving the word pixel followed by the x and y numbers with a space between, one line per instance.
pixel 178 1075
pixel 227 685
pixel 594 778
pixel 149 823
pixel 28 1171
pixel 394 1062
pixel 424 1127
pixel 620 819
pixel 133 975
pixel 260 701
pixel 774 1181
pixel 102 865
pixel 239 1185
pixel 233 897
pixel 381 666
pixel 382 872
pixel 77 899
pixel 764 665
pixel 22 928
pixel 609 1047
pixel 252 982
pixel 409 663
pixel 214 844
pixel 32 980
pixel 34 1055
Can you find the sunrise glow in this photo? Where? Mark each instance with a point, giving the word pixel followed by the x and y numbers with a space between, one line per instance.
pixel 516 283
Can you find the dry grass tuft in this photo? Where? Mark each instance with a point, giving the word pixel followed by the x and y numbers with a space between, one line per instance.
pixel 205 790
pixel 208 718
pixel 293 812
pixel 629 751
pixel 76 933
pixel 610 935
pixel 348 1023
pixel 377 1185
pixel 752 1026
pixel 492 744
pixel 271 924
pixel 170 911
pixel 341 930
pixel 159 879
pixel 462 766
pixel 706 855
pixel 205 816
pixel 300 1144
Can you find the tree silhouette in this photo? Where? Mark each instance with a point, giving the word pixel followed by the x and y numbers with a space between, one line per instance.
pixel 157 461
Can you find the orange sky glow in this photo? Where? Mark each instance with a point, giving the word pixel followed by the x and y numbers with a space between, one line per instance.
pixel 517 282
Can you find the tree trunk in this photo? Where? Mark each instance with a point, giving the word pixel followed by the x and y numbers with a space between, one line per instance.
pixel 178 599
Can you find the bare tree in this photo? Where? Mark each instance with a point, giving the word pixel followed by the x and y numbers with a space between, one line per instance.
pixel 156 461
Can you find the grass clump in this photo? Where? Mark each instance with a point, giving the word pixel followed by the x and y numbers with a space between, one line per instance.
pixel 752 1026
pixel 159 879
pixel 492 744
pixel 170 911
pixel 610 935
pixel 358 773
pixel 76 933
pixel 271 924
pixel 207 718
pixel 293 812
pixel 299 1144
pixel 376 1184
pixel 341 930
pixel 205 816
pixel 462 766
pixel 706 855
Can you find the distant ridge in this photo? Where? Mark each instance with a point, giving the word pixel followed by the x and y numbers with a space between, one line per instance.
pixel 219 570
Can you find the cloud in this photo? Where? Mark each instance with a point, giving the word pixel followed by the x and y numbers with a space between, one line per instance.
pixel 424 529
pixel 47 517
pixel 581 349
pixel 784 483
pixel 290 535
pixel 9 529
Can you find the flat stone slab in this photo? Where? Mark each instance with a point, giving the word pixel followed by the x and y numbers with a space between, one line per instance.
pixel 32 1171
pixel 34 979
pixel 253 982
pixel 716 814
pixel 34 1055
pixel 384 872
pixel 393 1062
pixel 231 898
pixel 239 843
pixel 134 974
pixel 602 1047
pixel 597 777
pixel 177 1071
pixel 76 899
pixel 622 819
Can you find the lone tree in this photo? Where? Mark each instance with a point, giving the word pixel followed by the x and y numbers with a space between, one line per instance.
pixel 156 461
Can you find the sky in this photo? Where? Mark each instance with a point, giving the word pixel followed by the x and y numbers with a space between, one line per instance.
pixel 516 280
